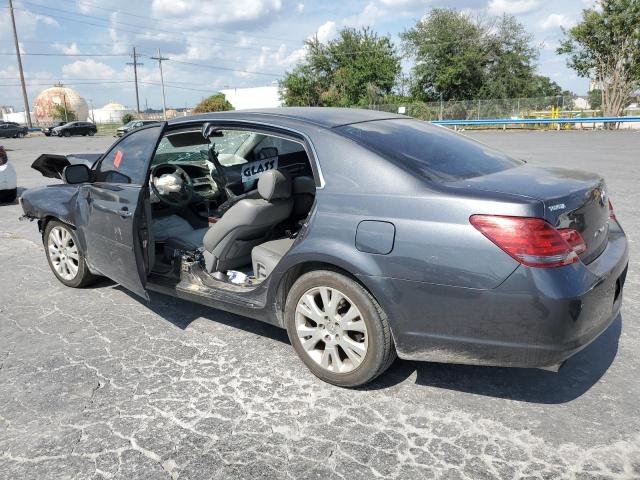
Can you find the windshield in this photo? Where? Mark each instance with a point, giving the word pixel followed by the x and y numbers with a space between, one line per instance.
pixel 434 153
pixel 170 153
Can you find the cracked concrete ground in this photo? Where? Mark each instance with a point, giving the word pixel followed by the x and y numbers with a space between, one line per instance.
pixel 96 384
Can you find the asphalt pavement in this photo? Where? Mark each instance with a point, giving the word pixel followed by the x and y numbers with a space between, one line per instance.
pixel 97 384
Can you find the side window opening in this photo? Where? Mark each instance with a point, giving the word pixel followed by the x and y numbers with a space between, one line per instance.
pixel 225 170
pixel 126 162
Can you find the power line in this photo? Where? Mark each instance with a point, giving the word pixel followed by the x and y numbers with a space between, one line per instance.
pixel 163 30
pixel 36 84
pixel 215 67
pixel 47 54
pixel 161 21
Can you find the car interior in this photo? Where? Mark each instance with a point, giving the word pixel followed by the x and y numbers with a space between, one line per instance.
pixel 230 202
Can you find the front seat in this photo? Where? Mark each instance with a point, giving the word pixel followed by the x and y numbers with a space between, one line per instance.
pixel 228 243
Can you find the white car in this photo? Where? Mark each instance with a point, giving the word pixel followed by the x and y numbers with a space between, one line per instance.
pixel 8 180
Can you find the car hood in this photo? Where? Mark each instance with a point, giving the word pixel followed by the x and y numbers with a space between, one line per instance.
pixel 51 166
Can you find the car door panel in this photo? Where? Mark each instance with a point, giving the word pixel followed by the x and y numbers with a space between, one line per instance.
pixel 115 223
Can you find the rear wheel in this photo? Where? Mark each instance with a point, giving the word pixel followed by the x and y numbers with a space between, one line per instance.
pixel 66 133
pixel 91 133
pixel 65 258
pixel 8 196
pixel 338 329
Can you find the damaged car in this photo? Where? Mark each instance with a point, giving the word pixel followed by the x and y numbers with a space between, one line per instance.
pixel 364 234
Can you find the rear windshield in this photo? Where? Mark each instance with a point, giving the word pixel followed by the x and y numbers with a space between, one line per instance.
pixel 432 152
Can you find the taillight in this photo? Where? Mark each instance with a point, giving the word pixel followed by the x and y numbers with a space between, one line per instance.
pixel 531 241
pixel 574 239
pixel 612 215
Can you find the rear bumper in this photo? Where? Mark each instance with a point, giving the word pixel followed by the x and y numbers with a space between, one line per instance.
pixel 535 318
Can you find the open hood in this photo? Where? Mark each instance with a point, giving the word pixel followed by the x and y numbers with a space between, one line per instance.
pixel 51 166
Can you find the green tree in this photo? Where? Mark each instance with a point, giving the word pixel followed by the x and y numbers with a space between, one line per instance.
pixel 357 68
pixel 63 114
pixel 447 46
pixel 510 69
pixel 213 103
pixel 605 46
pixel 459 57
pixel 595 99
pixel 128 117
pixel 542 86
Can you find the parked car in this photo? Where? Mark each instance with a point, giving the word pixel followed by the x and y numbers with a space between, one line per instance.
pixel 132 125
pixel 363 233
pixel 75 128
pixel 12 130
pixel 8 180
pixel 48 130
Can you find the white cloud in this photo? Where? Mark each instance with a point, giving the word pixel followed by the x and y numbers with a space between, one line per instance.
pixel 326 31
pixel 405 3
pixel 556 20
pixel 513 7
pixel 300 8
pixel 88 68
pixel 68 49
pixel 368 17
pixel 199 13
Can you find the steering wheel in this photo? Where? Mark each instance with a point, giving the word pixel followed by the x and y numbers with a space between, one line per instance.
pixel 175 199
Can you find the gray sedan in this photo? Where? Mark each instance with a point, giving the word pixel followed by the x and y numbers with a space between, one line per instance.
pixel 365 234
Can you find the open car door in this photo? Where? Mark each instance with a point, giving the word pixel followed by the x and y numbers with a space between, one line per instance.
pixel 116 225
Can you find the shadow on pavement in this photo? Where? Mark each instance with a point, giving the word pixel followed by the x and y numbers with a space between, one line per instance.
pixel 576 377
pixel 182 313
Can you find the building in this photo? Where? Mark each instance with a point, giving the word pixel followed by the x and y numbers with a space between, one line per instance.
pixel 112 112
pixel 256 97
pixel 45 105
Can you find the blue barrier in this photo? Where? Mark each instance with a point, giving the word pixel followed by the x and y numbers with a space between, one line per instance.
pixel 537 121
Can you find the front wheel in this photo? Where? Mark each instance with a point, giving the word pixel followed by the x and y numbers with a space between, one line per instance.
pixel 64 255
pixel 338 329
pixel 66 133
pixel 91 133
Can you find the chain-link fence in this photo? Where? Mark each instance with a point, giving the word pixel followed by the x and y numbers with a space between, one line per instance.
pixel 541 107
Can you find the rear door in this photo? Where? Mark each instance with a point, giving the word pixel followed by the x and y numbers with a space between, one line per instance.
pixel 116 228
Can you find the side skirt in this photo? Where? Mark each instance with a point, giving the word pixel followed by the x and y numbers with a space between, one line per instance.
pixel 194 291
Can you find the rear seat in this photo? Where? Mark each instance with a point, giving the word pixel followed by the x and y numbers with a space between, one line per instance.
pixel 266 256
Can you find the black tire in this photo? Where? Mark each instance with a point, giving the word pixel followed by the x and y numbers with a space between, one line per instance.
pixel 83 276
pixel 8 196
pixel 381 351
pixel 91 133
pixel 66 133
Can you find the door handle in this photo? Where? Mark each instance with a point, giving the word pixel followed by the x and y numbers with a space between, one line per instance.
pixel 124 212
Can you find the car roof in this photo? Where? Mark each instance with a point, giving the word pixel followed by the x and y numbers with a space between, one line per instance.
pixel 320 116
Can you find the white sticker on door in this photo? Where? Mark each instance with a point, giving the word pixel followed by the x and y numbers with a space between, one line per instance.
pixel 252 171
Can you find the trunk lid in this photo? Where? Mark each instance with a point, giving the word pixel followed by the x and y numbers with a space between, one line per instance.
pixel 571 198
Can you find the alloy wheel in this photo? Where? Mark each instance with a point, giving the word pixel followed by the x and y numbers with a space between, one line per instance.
pixel 331 329
pixel 63 253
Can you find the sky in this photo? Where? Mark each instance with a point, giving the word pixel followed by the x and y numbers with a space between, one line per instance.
pixel 218 44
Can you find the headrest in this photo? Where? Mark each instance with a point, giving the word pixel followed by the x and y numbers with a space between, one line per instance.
pixel 274 184
pixel 302 185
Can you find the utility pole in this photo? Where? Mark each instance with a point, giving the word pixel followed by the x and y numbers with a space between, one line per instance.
pixel 135 64
pixel 160 58
pixel 27 113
